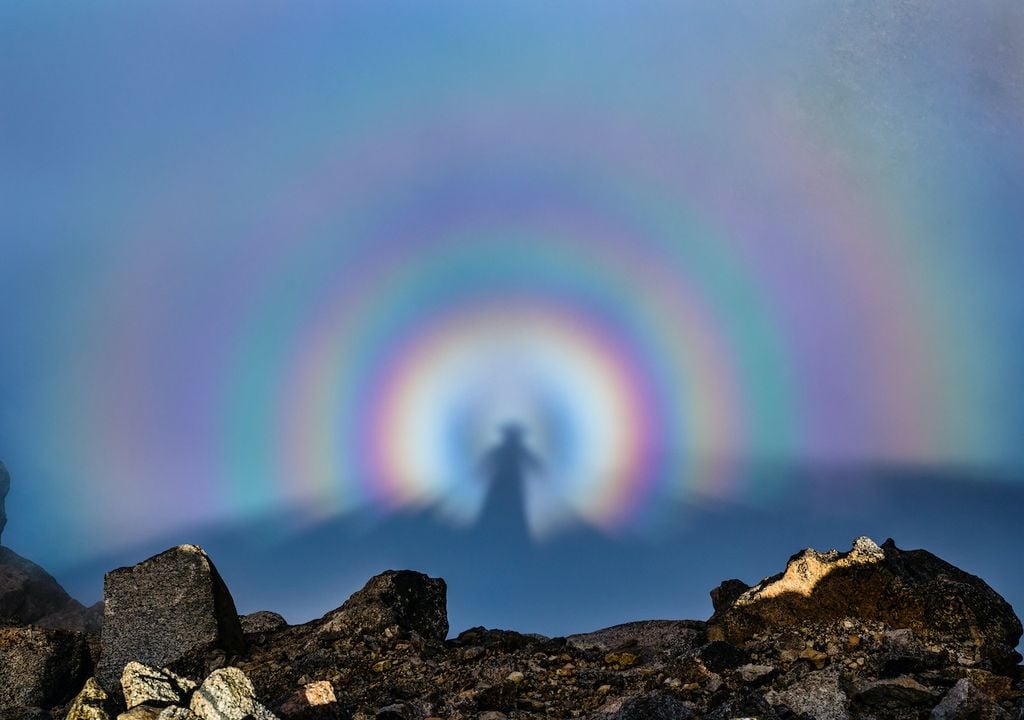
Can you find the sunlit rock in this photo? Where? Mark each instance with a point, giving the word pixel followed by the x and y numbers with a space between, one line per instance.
pixel 902 588
pixel 227 694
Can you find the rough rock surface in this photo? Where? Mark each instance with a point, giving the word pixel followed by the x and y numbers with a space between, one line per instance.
pixel 901 588
pixel 964 700
pixel 410 600
pixel 5 487
pixel 383 656
pixel 652 635
pixel 41 668
pixel 165 608
pixel 651 706
pixel 145 685
pixel 227 694
pixel 309 701
pixel 262 621
pixel 92 703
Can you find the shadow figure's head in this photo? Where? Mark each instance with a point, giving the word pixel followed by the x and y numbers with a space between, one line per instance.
pixel 512 433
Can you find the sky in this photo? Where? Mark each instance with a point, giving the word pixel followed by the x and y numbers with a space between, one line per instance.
pixel 745 275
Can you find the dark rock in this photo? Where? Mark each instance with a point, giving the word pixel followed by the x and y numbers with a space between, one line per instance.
pixel 5 487
pixel 743 704
pixel 28 594
pixel 818 695
pixel 674 635
pixel 725 594
pixel 966 702
pixel 898 692
pixel 263 621
pixel 901 588
pixel 399 711
pixel 162 610
pixel 719 655
pixel 41 668
pixel 756 674
pixel 410 600
pixel 24 713
pixel 651 706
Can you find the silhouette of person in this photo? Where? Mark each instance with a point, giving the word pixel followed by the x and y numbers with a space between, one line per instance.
pixel 5 487
pixel 506 467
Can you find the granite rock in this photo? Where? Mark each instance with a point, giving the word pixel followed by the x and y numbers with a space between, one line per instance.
pixel 409 600
pixel 168 608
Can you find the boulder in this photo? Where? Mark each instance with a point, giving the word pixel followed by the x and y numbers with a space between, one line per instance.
pixel 901 588
pixel 657 635
pixel 141 712
pixel 411 600
pixel 311 700
pixel 159 688
pixel 818 695
pixel 400 711
pixel 174 712
pixel 261 622
pixel 227 694
pixel 165 609
pixel 28 594
pixel 719 655
pixel 651 706
pixel 895 692
pixel 41 668
pixel 92 703
pixel 726 593
pixel 964 700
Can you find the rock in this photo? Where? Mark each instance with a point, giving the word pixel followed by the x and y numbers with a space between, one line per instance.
pixel 145 685
pixel 651 706
pixel 654 634
pixel 756 674
pixel 24 713
pixel 41 668
pixel 719 655
pixel 818 695
pixel 410 600
pixel 5 487
pixel 28 593
pixel 895 692
pixel 492 715
pixel 227 694
pixel 964 701
pixel 901 588
pixel 400 711
pixel 173 712
pixel 261 622
pixel 303 702
pixel 92 703
pixel 141 712
pixel 726 593
pixel 743 705
pixel 163 609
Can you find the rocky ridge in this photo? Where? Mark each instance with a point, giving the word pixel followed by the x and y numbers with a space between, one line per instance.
pixel 872 633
